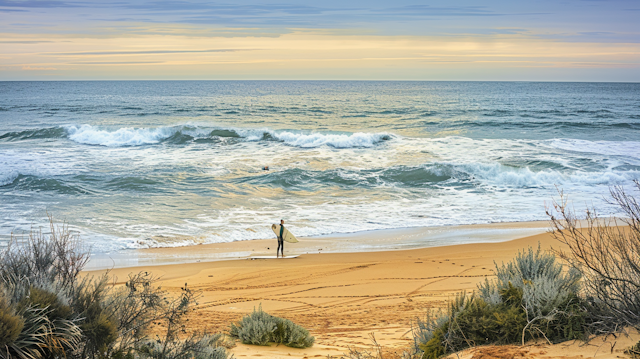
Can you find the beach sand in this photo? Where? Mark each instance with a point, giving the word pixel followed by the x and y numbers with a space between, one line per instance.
pixel 346 298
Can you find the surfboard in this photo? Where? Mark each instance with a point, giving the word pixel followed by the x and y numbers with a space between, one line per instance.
pixel 286 235
pixel 272 257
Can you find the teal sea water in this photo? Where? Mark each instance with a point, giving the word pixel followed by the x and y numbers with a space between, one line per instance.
pixel 151 164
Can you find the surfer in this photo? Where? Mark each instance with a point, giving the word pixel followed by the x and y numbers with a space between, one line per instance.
pixel 280 239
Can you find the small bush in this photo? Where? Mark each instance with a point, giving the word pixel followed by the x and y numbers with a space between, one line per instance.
pixel 194 347
pixel 260 328
pixel 531 297
pixel 424 330
pixel 291 334
pixel 607 252
pixel 10 324
pixel 44 299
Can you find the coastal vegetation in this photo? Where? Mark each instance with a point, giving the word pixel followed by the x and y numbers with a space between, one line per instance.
pixel 530 298
pixel 48 310
pixel 607 253
pixel 260 328
pixel 536 297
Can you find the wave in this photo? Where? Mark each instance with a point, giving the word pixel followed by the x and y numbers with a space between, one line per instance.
pixel 136 184
pixel 8 177
pixel 87 134
pixel 31 183
pixel 510 123
pixel 501 176
pixel 441 174
pixel 51 132
pixel 359 139
pixel 182 134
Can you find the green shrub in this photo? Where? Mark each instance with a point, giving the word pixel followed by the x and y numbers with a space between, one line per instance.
pixel 291 334
pixel 531 297
pixel 424 330
pixel 99 330
pixel 194 347
pixel 10 324
pixel 44 299
pixel 260 328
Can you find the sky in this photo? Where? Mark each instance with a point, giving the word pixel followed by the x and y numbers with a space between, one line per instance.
pixel 542 40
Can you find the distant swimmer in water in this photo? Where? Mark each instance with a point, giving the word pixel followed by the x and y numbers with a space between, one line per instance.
pixel 265 168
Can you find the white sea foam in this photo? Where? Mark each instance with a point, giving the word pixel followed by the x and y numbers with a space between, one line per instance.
pixel 608 148
pixel 42 163
pixel 496 174
pixel 8 177
pixel 129 136
pixel 358 139
pixel 126 136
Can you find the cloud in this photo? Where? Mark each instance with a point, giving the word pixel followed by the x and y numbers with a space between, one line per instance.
pixel 426 10
pixel 596 33
pixel 225 9
pixel 37 4
pixel 35 68
pixel 23 41
pixel 115 62
pixel 144 52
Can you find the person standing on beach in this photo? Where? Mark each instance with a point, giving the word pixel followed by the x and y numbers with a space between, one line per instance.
pixel 280 240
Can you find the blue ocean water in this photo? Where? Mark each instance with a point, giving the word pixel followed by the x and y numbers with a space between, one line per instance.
pixel 144 164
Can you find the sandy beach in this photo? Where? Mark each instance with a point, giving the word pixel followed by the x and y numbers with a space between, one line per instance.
pixel 346 298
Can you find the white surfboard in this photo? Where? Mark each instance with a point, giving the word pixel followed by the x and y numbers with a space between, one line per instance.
pixel 272 257
pixel 286 235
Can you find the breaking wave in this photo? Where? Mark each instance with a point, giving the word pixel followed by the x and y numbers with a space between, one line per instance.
pixel 130 136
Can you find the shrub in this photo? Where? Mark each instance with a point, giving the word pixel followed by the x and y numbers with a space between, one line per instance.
pixel 607 252
pixel 10 324
pixel 260 328
pixel 48 311
pixel 291 334
pixel 194 347
pixel 43 299
pixel 424 330
pixel 539 284
pixel 531 297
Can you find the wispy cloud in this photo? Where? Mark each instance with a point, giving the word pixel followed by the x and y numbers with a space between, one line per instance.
pixel 143 52
pixel 115 62
pixel 23 41
pixel 426 10
pixel 38 4
pixel 38 68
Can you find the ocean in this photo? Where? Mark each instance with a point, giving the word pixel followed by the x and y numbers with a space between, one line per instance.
pixel 141 164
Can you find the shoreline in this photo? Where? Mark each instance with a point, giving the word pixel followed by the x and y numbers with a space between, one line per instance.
pixel 357 242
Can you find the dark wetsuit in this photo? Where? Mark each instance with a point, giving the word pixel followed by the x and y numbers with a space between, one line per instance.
pixel 280 241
